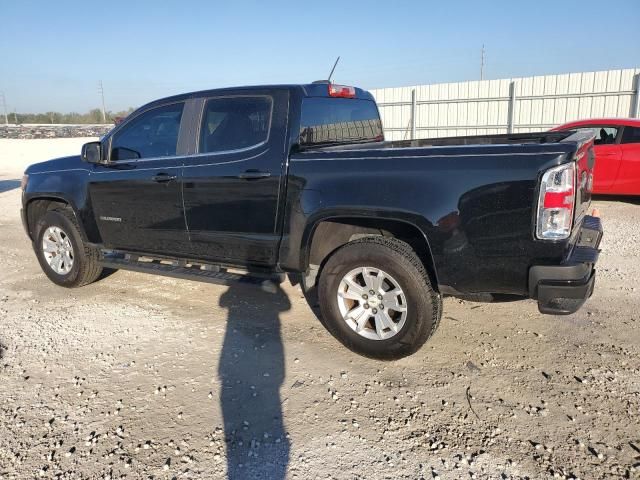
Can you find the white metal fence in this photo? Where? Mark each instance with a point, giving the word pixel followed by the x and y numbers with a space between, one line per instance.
pixel 507 105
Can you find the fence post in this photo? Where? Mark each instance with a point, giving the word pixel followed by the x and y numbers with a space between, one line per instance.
pixel 413 114
pixel 635 112
pixel 512 107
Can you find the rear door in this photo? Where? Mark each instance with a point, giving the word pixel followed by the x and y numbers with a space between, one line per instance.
pixel 608 157
pixel 628 181
pixel 232 184
pixel 136 196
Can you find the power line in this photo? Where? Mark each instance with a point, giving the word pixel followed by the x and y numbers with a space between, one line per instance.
pixel 4 107
pixel 104 112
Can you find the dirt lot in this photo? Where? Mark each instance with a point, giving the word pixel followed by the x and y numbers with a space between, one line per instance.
pixel 146 377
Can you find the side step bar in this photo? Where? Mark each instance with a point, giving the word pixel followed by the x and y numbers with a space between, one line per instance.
pixel 185 270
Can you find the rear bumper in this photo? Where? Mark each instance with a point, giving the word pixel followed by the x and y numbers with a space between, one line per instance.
pixel 563 289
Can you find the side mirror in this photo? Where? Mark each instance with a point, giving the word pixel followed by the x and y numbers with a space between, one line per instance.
pixel 124 153
pixel 92 152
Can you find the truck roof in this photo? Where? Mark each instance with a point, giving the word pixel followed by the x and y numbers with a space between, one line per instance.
pixel 316 89
pixel 629 122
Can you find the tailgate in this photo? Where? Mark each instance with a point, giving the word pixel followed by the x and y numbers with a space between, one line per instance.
pixel 585 161
pixel 565 190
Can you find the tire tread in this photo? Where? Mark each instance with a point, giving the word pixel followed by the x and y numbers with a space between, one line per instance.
pixel 409 255
pixel 87 258
pixel 90 268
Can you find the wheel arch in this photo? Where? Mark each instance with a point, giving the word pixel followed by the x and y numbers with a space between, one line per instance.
pixel 36 207
pixel 327 234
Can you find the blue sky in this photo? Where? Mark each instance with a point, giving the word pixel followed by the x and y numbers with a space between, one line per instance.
pixel 54 53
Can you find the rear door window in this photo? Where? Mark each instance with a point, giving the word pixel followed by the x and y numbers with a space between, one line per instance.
pixel 333 121
pixel 234 123
pixel 631 135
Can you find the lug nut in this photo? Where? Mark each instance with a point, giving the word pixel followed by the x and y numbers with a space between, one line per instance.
pixel 372 292
pixel 374 311
pixel 366 305
pixel 379 297
pixel 365 296
pixel 381 307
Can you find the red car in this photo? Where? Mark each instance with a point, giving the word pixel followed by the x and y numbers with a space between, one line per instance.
pixel 617 149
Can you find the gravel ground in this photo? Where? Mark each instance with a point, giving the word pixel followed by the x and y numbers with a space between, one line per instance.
pixel 138 376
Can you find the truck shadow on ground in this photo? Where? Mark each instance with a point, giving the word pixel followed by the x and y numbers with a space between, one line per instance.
pixel 251 371
pixel 6 185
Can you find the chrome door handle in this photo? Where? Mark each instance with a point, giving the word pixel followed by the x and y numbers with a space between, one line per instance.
pixel 254 175
pixel 163 177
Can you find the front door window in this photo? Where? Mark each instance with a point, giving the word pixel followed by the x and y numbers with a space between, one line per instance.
pixel 152 134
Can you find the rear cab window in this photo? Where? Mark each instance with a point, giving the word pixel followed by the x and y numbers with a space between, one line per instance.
pixel 326 121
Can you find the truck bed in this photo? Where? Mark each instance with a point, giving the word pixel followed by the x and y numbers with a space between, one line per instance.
pixel 508 139
pixel 534 138
pixel 474 198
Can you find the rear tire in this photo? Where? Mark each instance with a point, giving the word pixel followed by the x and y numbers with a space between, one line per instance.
pixel 62 254
pixel 401 315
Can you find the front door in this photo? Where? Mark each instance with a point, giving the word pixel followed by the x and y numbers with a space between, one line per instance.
pixel 608 157
pixel 232 185
pixel 136 196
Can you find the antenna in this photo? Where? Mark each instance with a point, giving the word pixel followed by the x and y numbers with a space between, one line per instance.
pixel 482 63
pixel 334 67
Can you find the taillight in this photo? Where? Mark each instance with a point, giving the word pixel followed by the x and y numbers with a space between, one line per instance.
pixel 341 91
pixel 556 203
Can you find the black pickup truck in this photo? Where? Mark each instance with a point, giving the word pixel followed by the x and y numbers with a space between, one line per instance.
pixel 244 184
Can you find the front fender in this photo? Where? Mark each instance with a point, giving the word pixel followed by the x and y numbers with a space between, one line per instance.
pixel 69 187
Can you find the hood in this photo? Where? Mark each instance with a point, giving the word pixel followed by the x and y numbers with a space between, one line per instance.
pixel 57 164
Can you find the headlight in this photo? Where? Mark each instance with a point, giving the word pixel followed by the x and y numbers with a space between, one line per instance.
pixel 23 183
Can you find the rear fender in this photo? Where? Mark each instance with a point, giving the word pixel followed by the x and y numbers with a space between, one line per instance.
pixel 399 225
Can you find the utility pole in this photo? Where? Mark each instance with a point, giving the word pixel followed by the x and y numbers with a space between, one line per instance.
pixel 104 112
pixel 482 63
pixel 4 108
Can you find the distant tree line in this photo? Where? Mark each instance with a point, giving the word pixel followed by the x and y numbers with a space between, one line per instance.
pixel 92 116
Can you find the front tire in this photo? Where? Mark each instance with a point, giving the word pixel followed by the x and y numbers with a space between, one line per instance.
pixel 62 254
pixel 376 298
